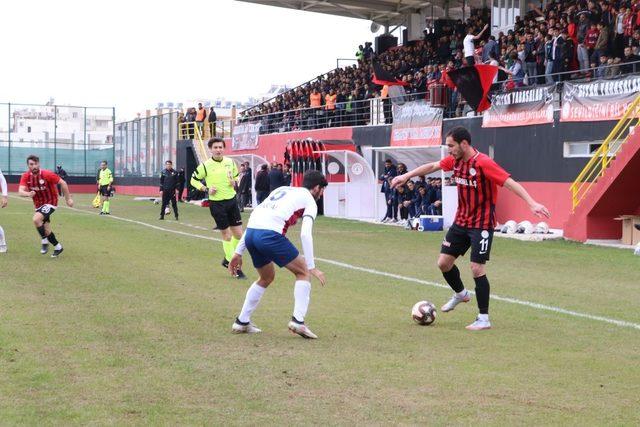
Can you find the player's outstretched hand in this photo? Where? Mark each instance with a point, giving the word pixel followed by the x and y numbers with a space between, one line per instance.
pixel 32 194
pixel 70 202
pixel 5 200
pixel 398 180
pixel 318 275
pixel 540 211
pixel 235 264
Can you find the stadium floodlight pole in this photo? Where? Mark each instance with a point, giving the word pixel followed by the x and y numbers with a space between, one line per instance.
pixel 55 135
pixel 85 140
pixel 9 137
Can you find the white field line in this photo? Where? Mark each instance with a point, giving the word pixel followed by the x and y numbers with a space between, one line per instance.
pixel 535 305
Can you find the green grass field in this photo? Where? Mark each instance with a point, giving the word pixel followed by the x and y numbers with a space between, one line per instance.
pixel 131 325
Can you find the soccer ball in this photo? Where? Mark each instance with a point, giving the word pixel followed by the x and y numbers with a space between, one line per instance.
pixel 424 313
pixel 525 227
pixel 509 227
pixel 541 228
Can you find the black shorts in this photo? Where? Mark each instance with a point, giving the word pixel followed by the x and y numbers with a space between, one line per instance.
pixel 459 239
pixel 226 213
pixel 104 191
pixel 46 211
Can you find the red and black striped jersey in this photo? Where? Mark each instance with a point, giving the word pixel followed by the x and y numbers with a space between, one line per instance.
pixel 477 180
pixel 44 184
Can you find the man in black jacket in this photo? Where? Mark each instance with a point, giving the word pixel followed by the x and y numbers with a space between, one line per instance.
pixel 62 174
pixel 276 177
pixel 244 187
pixel 181 181
pixel 262 184
pixel 168 183
pixel 213 117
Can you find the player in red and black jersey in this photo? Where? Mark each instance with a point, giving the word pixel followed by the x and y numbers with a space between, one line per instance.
pixel 477 177
pixel 40 185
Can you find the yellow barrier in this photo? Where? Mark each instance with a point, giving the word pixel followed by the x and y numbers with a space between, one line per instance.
pixel 221 129
pixel 192 131
pixel 601 159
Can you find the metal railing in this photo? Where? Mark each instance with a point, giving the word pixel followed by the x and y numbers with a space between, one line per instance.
pixel 267 101
pixel 450 100
pixel 219 128
pixel 601 159
pixel 379 111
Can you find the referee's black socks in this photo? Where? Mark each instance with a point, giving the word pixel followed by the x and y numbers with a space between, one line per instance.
pixel 482 294
pixel 453 279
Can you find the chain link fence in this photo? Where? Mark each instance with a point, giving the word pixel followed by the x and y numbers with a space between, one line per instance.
pixel 76 138
pixel 143 145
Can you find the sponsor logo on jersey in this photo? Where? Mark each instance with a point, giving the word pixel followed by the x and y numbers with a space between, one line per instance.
pixel 465 182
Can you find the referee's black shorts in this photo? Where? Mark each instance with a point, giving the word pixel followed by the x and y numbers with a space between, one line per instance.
pixel 226 213
pixel 104 190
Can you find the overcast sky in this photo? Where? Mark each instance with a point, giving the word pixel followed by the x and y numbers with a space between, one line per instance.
pixel 134 54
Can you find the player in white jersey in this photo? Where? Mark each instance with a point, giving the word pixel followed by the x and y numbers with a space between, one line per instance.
pixel 3 203
pixel 265 240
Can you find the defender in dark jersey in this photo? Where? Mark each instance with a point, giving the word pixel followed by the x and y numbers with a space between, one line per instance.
pixel 40 185
pixel 477 177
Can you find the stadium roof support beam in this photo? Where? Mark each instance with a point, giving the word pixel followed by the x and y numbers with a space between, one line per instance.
pixel 385 12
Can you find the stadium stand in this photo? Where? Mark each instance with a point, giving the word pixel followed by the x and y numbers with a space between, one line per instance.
pixel 562 41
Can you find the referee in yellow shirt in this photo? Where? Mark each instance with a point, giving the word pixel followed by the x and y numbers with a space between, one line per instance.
pixel 105 179
pixel 220 174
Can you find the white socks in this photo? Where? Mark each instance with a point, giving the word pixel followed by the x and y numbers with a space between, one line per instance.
pixel 301 293
pixel 483 317
pixel 45 241
pixel 251 302
pixel 462 294
pixel 3 242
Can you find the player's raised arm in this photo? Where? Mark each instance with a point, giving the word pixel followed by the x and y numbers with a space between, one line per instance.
pixel 425 169
pixel 537 208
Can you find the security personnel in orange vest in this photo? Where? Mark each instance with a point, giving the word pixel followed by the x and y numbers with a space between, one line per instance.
pixel 330 106
pixel 315 99
pixel 200 116
pixel 330 100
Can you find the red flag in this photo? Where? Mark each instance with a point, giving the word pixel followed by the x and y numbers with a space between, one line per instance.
pixel 383 77
pixel 474 84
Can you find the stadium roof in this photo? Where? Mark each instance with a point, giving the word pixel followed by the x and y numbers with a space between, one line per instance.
pixel 386 12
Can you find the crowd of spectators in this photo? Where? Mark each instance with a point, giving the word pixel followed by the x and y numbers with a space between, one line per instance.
pixel 415 198
pixel 580 39
pixel 577 38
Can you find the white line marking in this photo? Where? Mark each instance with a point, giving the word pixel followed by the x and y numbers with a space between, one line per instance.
pixel 530 304
pixel 493 296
